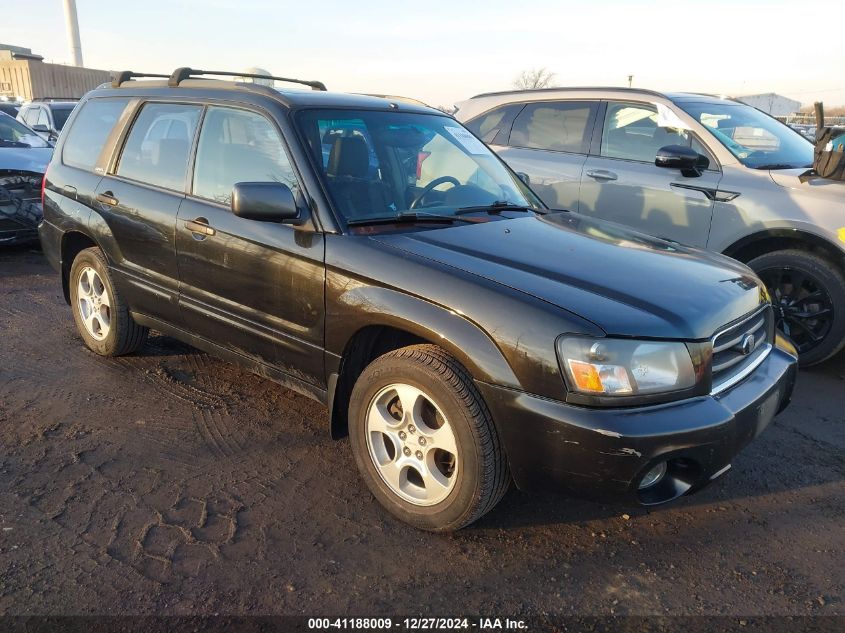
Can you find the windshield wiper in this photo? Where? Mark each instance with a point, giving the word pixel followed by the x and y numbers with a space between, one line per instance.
pixel 408 217
pixel 496 207
pixel 778 166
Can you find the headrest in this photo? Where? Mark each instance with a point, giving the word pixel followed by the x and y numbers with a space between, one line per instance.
pixel 349 157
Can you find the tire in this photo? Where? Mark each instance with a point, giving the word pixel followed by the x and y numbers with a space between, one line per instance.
pixel 111 331
pixel 446 405
pixel 806 284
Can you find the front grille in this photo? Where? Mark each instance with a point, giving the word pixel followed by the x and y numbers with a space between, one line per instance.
pixel 736 354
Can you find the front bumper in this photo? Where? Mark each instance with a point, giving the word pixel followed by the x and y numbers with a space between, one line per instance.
pixel 603 454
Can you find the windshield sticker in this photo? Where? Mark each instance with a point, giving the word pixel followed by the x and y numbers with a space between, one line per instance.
pixel 667 118
pixel 469 142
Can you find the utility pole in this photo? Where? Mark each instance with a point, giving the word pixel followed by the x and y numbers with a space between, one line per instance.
pixel 72 25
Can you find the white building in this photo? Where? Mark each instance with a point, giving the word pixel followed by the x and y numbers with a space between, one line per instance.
pixel 774 104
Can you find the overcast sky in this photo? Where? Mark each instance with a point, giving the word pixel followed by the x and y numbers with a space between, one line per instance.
pixel 445 51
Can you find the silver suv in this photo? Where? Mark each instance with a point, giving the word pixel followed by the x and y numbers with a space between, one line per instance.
pixel 700 170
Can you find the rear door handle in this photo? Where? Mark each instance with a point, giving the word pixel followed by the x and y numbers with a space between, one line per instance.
pixel 602 174
pixel 199 227
pixel 107 197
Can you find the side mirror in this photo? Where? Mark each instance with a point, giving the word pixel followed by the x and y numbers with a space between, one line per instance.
pixel 525 178
pixel 690 162
pixel 264 202
pixel 41 128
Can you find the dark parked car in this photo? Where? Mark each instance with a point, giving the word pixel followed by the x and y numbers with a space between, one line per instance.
pixel 9 107
pixel 377 257
pixel 23 158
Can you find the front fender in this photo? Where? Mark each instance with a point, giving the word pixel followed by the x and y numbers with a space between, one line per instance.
pixel 501 335
pixel 362 306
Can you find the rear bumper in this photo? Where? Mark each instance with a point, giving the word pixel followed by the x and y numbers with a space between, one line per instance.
pixel 17 236
pixel 603 453
pixel 50 237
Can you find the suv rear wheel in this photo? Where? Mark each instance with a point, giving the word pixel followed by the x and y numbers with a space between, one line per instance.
pixel 808 295
pixel 423 439
pixel 101 316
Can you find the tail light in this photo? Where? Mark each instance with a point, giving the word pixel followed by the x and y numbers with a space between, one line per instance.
pixel 43 186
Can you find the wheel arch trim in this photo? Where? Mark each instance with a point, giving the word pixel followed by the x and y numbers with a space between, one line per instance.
pixel 793 234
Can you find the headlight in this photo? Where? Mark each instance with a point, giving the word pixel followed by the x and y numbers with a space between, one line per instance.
pixel 621 367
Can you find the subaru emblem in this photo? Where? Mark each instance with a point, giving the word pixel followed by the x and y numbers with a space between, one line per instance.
pixel 747 344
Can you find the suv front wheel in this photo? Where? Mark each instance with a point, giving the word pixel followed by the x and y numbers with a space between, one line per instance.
pixel 101 316
pixel 424 441
pixel 808 295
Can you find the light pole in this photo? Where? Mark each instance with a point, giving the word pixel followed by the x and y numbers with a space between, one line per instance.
pixel 72 25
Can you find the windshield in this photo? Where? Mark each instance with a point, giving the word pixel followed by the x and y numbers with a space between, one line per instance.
pixel 381 164
pixel 755 138
pixel 15 134
pixel 60 116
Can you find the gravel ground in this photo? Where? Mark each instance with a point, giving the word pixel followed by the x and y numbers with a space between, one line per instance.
pixel 173 483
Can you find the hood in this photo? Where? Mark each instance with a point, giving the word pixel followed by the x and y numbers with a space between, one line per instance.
pixel 34 159
pixel 822 187
pixel 625 282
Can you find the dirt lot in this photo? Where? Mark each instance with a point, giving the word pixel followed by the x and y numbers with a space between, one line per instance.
pixel 173 483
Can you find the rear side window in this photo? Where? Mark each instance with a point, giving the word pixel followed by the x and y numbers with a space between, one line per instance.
pixel 495 123
pixel 238 146
pixel 85 139
pixel 562 126
pixel 159 144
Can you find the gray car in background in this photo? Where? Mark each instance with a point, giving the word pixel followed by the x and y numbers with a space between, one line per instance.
pixel 46 116
pixel 695 169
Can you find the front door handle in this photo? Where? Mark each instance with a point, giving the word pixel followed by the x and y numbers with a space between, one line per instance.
pixel 602 174
pixel 199 227
pixel 107 198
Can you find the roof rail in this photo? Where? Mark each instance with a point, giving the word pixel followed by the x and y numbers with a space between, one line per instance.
pixel 46 99
pixel 566 89
pixel 126 75
pixel 180 74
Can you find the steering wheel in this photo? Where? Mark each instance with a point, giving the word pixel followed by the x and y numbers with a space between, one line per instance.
pixel 434 183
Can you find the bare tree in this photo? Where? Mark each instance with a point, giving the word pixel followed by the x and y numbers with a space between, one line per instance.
pixel 534 78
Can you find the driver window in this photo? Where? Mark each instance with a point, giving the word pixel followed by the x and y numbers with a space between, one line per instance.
pixel 31 117
pixel 631 133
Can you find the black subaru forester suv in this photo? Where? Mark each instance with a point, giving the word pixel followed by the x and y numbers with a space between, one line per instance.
pixel 374 255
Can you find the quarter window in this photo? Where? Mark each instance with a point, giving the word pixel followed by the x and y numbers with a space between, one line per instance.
pixel 91 128
pixel 563 126
pixel 43 119
pixel 238 146
pixel 496 123
pixel 155 158
pixel 631 132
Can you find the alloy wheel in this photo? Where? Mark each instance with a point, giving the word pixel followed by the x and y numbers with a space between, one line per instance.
pixel 802 306
pixel 412 444
pixel 93 303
